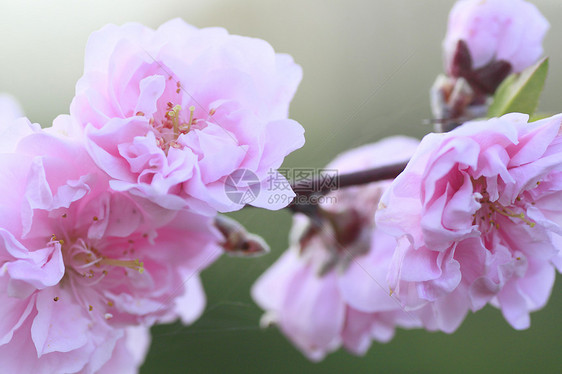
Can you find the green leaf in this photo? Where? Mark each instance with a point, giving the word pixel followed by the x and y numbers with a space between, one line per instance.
pixel 520 92
pixel 539 116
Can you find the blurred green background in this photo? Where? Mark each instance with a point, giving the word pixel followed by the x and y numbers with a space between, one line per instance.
pixel 368 66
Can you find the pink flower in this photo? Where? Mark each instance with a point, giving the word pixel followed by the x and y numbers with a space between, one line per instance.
pixel 493 30
pixel 477 214
pixel 329 289
pixel 171 114
pixel 81 264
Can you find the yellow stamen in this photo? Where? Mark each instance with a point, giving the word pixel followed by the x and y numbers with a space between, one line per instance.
pixel 131 264
pixel 174 116
pixel 54 239
pixel 191 111
pixel 510 213
pixel 185 127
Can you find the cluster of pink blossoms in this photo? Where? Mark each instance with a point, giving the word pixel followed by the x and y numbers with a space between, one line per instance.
pixel 108 217
pixel 474 219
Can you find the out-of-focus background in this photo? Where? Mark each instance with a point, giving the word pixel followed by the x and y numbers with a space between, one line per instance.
pixel 368 65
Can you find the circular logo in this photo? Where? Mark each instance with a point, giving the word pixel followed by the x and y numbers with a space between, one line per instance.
pixel 242 186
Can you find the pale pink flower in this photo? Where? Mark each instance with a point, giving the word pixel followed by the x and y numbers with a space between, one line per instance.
pixel 477 214
pixel 329 289
pixel 493 30
pixel 171 113
pixel 80 264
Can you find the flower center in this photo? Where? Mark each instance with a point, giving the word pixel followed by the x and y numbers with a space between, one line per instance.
pixel 168 130
pixel 86 266
pixel 90 263
pixel 491 212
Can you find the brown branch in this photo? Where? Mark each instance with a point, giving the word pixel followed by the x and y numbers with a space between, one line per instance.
pixel 303 188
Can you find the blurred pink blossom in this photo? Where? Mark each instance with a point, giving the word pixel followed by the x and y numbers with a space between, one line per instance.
pixel 493 30
pixel 329 288
pixel 170 113
pixel 80 265
pixel 477 214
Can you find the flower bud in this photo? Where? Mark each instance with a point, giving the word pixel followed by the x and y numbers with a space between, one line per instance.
pixel 494 30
